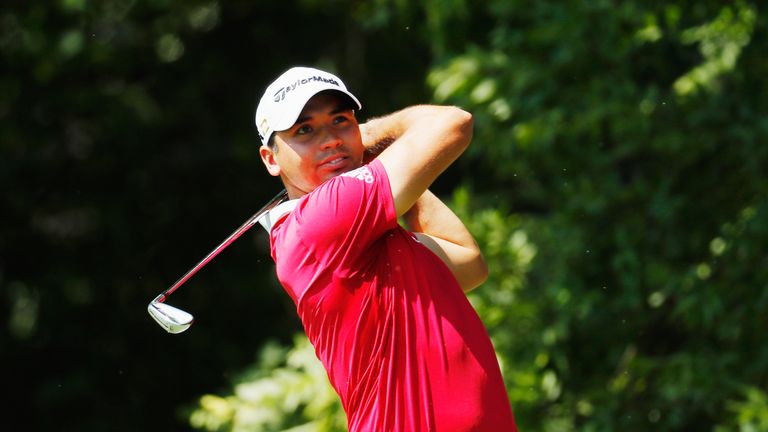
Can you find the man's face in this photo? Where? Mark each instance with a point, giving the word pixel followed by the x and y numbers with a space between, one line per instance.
pixel 323 143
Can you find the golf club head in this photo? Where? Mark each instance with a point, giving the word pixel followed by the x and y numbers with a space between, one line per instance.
pixel 173 320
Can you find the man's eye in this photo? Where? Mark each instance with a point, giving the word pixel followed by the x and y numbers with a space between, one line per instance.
pixel 339 119
pixel 303 130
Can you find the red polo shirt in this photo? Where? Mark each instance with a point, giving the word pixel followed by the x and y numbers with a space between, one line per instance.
pixel 401 343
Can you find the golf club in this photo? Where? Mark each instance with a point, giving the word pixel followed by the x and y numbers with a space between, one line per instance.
pixel 175 320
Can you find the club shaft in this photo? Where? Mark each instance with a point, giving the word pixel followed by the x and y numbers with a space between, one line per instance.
pixel 280 197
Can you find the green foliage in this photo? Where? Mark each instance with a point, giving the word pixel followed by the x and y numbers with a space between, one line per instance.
pixel 288 390
pixel 638 175
pixel 751 412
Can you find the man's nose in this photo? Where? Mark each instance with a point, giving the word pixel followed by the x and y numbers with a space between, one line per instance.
pixel 329 139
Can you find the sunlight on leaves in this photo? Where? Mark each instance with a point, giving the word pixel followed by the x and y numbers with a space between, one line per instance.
pixel 720 42
pixel 25 308
pixel 169 48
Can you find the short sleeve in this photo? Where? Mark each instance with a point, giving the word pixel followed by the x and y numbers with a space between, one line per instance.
pixel 346 215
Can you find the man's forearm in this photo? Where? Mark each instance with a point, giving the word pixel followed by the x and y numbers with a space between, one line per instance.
pixel 429 215
pixel 439 229
pixel 380 132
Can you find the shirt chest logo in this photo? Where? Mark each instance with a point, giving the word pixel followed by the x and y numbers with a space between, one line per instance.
pixel 362 173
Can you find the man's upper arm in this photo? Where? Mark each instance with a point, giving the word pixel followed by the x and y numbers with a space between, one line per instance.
pixel 432 138
pixel 344 216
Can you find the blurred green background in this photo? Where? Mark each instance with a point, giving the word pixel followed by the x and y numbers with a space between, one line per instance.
pixel 617 184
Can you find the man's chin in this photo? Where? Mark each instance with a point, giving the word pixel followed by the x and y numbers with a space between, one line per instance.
pixel 335 173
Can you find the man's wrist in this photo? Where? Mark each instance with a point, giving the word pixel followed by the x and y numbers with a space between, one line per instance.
pixel 375 149
pixel 377 134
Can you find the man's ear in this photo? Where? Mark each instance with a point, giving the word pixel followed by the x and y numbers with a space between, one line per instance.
pixel 268 157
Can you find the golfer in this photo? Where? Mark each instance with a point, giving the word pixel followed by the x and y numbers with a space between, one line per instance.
pixel 384 306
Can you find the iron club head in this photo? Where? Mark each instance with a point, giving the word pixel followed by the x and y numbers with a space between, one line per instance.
pixel 173 320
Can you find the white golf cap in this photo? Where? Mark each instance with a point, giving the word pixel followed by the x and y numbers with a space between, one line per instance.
pixel 284 99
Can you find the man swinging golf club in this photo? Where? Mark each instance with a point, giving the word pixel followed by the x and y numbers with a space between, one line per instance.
pixel 384 307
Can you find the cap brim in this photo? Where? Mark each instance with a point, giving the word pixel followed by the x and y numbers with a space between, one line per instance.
pixel 290 115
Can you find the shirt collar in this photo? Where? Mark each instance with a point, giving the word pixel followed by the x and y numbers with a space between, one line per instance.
pixel 270 218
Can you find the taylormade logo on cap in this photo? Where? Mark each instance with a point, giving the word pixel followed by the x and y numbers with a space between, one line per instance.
pixel 284 99
pixel 280 94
